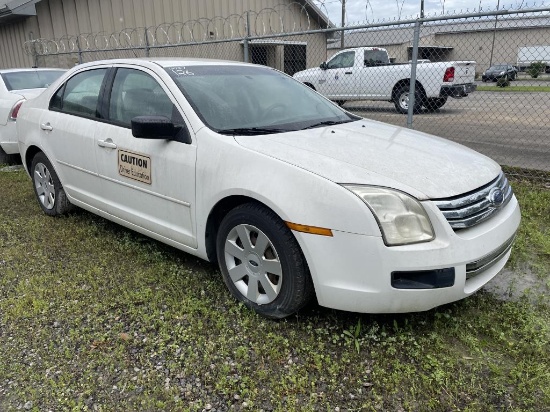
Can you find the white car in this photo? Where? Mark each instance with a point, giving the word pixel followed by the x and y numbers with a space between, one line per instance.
pixel 292 195
pixel 16 85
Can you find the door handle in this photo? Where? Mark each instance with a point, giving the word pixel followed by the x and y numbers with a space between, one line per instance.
pixel 107 143
pixel 348 73
pixel 46 126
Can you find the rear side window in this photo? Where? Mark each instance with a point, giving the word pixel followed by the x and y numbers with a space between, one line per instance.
pixel 375 58
pixel 80 95
pixel 136 93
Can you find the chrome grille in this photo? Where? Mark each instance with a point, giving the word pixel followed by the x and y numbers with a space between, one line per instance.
pixel 475 207
pixel 484 263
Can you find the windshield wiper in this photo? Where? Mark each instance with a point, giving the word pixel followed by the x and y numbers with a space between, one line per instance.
pixel 251 131
pixel 327 123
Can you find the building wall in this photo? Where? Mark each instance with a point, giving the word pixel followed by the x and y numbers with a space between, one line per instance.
pixel 478 46
pixel 64 18
pixel 59 18
pixel 12 37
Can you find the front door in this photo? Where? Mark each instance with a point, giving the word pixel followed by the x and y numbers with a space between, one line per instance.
pixel 337 81
pixel 149 183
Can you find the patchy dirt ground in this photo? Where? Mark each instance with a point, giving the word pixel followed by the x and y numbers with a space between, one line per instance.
pixel 513 284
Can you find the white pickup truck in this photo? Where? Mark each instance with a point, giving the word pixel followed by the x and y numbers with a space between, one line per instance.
pixel 365 73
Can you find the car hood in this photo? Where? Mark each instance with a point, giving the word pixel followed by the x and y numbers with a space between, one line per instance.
pixel 379 154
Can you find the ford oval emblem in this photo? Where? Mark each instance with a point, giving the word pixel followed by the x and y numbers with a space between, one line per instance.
pixel 496 197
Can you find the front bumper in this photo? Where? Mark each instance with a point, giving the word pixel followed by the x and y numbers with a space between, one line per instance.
pixel 492 77
pixel 458 90
pixel 354 272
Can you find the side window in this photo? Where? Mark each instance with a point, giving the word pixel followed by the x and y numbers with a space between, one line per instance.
pixel 136 93
pixel 80 95
pixel 342 60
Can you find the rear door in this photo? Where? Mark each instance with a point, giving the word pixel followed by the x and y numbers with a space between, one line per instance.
pixel 68 129
pixel 148 183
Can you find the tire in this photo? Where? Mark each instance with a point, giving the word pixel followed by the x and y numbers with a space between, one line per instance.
pixel 401 100
pixel 275 294
pixel 435 103
pixel 47 187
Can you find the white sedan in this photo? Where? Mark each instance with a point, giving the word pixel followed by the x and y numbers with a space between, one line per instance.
pixel 290 194
pixel 16 85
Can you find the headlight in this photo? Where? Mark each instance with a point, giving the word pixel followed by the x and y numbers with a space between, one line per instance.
pixel 501 73
pixel 401 218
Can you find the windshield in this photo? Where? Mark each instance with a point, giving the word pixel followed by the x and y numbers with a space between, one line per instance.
pixel 31 79
pixel 253 100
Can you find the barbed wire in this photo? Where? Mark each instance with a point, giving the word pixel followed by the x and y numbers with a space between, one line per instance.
pixel 280 19
pixel 510 5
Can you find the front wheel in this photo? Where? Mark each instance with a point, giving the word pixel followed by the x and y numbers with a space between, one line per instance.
pixel 47 187
pixel 261 262
pixel 433 104
pixel 401 100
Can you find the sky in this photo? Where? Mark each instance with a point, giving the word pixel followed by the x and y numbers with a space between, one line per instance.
pixel 375 10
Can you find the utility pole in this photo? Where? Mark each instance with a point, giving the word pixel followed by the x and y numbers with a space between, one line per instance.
pixel 421 9
pixel 343 23
pixel 494 35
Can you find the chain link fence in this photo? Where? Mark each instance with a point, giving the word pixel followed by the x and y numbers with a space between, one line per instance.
pixel 479 78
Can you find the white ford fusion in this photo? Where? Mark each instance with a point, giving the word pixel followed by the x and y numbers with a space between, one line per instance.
pixel 292 195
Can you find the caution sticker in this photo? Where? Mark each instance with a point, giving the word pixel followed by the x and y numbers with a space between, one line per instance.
pixel 134 166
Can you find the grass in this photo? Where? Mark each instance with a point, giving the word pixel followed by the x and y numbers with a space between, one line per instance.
pixel 96 317
pixel 514 88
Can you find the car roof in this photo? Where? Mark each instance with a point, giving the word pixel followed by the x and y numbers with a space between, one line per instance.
pixel 34 69
pixel 166 61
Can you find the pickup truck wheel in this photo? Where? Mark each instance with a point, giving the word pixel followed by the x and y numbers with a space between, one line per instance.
pixel 47 187
pixel 261 262
pixel 401 100
pixel 432 104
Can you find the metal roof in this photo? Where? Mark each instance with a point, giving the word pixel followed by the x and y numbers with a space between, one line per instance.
pixel 404 34
pixel 16 10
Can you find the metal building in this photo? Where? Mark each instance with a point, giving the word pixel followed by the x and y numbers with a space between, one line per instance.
pixel 25 20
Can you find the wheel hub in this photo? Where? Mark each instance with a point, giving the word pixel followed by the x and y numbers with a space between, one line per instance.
pixel 253 263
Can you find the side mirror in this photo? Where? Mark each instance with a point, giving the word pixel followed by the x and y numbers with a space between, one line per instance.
pixel 159 127
pixel 324 66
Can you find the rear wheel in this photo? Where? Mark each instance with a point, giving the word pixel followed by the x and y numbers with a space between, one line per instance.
pixel 401 100
pixel 261 262
pixel 435 103
pixel 47 187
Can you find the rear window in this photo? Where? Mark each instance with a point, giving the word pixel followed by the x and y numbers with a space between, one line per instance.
pixel 30 79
